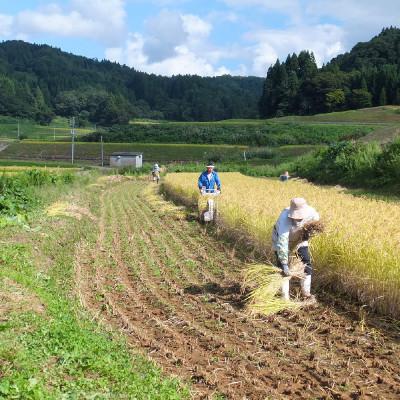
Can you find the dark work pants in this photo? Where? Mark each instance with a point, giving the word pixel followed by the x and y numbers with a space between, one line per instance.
pixel 304 255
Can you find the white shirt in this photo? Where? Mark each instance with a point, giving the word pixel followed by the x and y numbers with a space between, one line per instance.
pixel 286 236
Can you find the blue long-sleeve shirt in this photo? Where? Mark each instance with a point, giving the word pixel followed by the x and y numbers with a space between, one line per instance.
pixel 209 184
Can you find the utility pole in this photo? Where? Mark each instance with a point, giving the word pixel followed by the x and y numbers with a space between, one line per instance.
pixel 73 139
pixel 102 151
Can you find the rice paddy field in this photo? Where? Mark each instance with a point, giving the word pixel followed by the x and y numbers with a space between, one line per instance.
pixel 128 296
pixel 91 152
pixel 359 254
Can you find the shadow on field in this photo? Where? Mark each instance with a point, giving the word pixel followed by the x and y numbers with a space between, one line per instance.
pixel 233 294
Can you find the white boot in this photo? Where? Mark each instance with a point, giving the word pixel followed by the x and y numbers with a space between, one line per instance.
pixel 285 288
pixel 306 286
pixel 211 208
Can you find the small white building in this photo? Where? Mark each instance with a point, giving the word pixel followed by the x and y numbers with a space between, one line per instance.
pixel 126 159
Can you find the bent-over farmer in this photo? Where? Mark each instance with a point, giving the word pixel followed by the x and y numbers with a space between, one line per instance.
pixel 287 236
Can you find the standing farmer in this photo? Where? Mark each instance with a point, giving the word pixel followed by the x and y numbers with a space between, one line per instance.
pixel 288 236
pixel 208 180
pixel 155 172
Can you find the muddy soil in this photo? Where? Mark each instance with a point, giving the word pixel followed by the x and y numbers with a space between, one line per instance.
pixel 175 293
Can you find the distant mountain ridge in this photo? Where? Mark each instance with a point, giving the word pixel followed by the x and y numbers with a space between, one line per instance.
pixel 37 81
pixel 367 76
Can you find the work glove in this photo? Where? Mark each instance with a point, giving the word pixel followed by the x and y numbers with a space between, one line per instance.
pixel 285 270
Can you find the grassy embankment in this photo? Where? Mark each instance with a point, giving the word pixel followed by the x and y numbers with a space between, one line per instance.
pixel 358 254
pixel 59 129
pixel 386 119
pixel 50 348
pixel 374 115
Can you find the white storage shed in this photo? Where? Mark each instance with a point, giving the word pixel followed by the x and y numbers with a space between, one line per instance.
pixel 126 159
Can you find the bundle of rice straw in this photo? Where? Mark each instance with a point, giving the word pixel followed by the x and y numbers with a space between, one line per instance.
pixel 266 280
pixel 312 229
pixel 264 298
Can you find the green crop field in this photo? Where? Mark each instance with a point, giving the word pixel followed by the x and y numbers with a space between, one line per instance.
pixel 38 152
pixel 383 114
pixel 380 115
pixel 91 152
pixel 59 129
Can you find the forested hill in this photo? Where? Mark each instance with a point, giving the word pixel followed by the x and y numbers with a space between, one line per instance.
pixel 369 75
pixel 38 81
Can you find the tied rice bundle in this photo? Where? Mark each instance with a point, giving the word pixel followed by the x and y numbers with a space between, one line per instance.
pixel 265 281
pixel 312 229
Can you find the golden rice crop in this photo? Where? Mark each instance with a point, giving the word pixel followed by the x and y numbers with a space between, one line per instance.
pixel 359 251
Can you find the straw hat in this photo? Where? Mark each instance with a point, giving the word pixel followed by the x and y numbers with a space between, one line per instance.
pixel 298 208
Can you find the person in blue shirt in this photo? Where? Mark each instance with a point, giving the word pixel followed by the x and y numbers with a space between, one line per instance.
pixel 208 180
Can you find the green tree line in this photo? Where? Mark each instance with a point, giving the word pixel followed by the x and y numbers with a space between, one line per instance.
pixel 38 81
pixel 369 75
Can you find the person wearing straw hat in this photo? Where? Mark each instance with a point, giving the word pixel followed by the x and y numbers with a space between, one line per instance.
pixel 208 180
pixel 287 236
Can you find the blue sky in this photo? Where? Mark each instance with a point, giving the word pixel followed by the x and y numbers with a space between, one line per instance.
pixel 239 37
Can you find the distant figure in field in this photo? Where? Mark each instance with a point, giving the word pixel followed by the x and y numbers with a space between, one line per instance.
pixel 208 180
pixel 284 177
pixel 155 172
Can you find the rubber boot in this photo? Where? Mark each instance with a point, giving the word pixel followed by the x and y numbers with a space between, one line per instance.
pixel 285 288
pixel 211 208
pixel 306 287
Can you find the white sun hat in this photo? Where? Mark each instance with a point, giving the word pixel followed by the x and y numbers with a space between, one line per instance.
pixel 298 208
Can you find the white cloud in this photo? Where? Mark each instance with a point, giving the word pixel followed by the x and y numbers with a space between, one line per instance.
pixel 6 22
pixel 164 32
pixel 359 20
pixel 350 11
pixel 282 5
pixel 184 61
pixel 195 26
pixel 99 20
pixel 172 44
pixel 223 16
pixel 351 21
pixel 291 8
pixel 325 41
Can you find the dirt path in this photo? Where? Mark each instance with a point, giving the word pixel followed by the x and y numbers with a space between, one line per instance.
pixel 175 293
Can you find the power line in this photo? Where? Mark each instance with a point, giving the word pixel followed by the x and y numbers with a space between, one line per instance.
pixel 73 139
